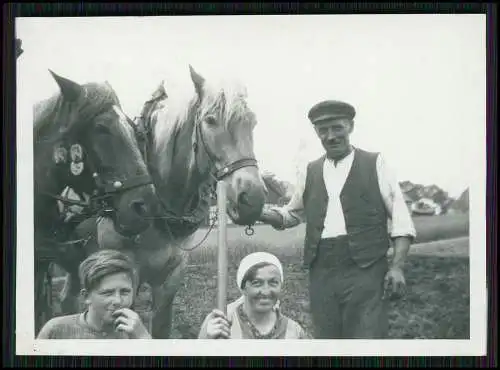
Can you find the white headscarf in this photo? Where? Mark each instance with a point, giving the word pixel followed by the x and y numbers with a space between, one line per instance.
pixel 254 259
pixel 246 264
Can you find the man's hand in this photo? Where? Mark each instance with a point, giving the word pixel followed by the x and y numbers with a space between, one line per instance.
pixel 129 321
pixel 394 283
pixel 272 217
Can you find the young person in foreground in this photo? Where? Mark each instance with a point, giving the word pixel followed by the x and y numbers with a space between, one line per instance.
pixel 109 281
pixel 256 314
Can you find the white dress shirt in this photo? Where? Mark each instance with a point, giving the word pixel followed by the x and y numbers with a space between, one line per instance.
pixel 400 222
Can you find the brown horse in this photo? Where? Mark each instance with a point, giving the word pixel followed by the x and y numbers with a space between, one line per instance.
pixel 83 140
pixel 188 146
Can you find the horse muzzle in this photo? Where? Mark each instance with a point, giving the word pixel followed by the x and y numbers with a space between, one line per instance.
pixel 134 212
pixel 246 206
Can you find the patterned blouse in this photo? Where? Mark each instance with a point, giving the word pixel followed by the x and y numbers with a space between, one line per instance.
pixel 242 328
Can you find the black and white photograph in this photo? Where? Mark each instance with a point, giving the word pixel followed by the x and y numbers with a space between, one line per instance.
pixel 313 181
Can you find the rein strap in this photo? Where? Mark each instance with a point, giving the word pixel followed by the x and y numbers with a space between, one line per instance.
pixel 128 184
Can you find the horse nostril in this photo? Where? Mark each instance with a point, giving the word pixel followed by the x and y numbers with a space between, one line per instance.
pixel 139 207
pixel 243 199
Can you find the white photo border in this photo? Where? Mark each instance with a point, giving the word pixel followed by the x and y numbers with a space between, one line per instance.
pixel 27 345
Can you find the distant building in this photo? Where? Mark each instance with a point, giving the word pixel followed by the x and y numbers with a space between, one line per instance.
pixel 425 207
pixel 408 201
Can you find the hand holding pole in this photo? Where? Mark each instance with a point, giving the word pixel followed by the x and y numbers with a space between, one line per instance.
pixel 222 247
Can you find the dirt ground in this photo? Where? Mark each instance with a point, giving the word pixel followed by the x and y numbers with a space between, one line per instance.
pixel 436 305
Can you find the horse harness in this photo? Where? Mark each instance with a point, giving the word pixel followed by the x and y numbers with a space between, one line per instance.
pixel 100 201
pixel 191 222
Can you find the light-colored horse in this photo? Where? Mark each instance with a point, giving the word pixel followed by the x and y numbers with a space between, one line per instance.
pixel 187 147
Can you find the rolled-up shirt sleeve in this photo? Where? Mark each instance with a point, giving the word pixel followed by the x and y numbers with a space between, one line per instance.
pixel 293 212
pixel 400 221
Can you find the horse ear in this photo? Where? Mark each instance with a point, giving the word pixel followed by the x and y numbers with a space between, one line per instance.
pixel 160 91
pixel 69 89
pixel 198 81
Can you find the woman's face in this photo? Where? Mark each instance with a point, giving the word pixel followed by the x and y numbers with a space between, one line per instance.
pixel 114 292
pixel 263 291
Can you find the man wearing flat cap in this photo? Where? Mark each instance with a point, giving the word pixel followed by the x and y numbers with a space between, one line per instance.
pixel 354 210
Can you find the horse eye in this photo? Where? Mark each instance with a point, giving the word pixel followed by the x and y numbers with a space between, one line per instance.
pixel 211 120
pixel 102 129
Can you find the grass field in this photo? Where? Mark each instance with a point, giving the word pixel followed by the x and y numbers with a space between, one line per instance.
pixel 437 273
pixel 435 307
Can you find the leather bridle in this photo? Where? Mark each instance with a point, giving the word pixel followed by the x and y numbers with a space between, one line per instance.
pixel 100 203
pixel 227 169
pixel 112 188
pixel 103 192
pixel 143 131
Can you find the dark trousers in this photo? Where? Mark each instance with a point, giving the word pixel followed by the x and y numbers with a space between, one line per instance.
pixel 345 299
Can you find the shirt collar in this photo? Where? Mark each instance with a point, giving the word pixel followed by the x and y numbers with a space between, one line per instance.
pixel 346 159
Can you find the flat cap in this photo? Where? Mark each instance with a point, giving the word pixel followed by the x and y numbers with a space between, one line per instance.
pixel 330 109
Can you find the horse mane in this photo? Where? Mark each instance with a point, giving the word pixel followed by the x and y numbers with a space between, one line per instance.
pixel 97 98
pixel 174 118
pixel 225 97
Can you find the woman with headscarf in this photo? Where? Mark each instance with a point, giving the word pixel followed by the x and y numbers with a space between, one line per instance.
pixel 256 314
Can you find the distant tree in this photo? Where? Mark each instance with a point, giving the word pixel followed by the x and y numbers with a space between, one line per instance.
pixel 445 207
pixel 416 192
pixel 406 186
pixel 440 197
pixel 462 202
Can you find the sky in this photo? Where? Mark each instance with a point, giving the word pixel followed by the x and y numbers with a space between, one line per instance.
pixel 417 81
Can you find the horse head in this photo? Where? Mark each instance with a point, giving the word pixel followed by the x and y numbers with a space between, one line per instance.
pixel 223 137
pixel 84 140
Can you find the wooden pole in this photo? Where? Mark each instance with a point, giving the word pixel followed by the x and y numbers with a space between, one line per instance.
pixel 222 247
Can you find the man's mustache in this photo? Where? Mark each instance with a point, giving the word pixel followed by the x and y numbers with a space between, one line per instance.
pixel 270 296
pixel 333 141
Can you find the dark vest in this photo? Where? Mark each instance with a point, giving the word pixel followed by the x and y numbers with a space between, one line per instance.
pixel 364 210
